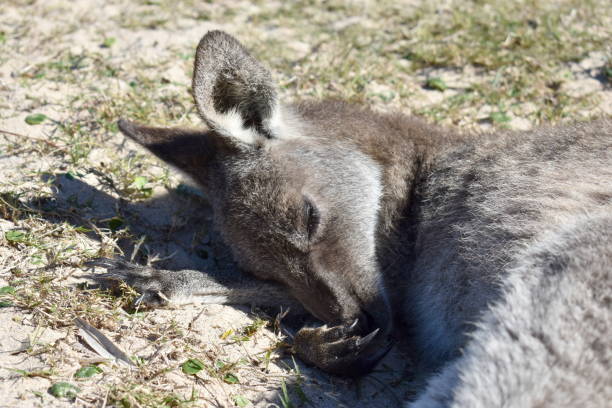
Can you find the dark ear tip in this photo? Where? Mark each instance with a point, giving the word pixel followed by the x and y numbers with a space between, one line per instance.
pixel 213 34
pixel 128 128
pixel 133 130
pixel 216 38
pixel 123 125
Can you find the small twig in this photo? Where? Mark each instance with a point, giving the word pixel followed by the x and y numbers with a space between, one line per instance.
pixel 6 132
pixel 105 398
pixel 313 50
pixel 137 247
pixel 190 325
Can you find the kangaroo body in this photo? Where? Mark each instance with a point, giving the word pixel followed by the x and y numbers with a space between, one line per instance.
pixel 490 255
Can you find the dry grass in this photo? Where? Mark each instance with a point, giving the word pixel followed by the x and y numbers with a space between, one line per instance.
pixel 72 189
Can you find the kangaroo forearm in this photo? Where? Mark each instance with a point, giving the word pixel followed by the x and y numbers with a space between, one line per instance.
pixel 203 288
pixel 187 286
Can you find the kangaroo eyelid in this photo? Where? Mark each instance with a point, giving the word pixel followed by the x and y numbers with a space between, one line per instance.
pixel 312 217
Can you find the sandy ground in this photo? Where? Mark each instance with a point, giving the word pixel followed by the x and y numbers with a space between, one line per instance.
pixel 169 220
pixel 176 224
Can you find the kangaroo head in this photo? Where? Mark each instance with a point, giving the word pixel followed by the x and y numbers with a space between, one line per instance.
pixel 295 205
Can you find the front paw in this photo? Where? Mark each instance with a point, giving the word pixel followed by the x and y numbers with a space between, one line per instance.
pixel 153 286
pixel 341 350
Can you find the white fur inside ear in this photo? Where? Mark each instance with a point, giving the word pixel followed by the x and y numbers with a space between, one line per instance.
pixel 281 124
pixel 231 124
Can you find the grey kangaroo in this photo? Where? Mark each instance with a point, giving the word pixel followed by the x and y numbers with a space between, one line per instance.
pixel 490 255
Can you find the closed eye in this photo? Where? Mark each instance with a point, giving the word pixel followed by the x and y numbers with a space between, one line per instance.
pixel 312 217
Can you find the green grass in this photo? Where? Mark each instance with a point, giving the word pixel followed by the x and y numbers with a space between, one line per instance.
pixel 519 52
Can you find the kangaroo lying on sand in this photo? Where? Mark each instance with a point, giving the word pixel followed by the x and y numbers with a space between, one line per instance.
pixel 490 254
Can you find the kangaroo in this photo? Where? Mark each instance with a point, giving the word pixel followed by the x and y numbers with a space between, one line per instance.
pixel 489 255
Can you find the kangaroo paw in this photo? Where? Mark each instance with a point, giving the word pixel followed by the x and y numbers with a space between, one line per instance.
pixel 156 287
pixel 341 350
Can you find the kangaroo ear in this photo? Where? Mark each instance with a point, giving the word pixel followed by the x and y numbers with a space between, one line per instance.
pixel 234 93
pixel 189 150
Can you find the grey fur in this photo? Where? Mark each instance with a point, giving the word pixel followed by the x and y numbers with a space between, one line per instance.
pixel 489 254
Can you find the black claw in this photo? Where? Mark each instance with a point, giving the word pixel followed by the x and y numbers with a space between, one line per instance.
pixel 109 263
pixel 104 277
pixel 109 276
pixel 364 341
pixel 103 262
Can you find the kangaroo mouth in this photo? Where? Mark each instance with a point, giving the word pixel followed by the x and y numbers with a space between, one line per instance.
pixel 337 303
